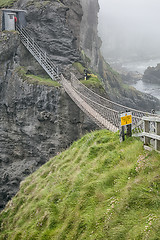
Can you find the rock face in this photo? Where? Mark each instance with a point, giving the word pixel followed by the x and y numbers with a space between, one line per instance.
pixel 90 43
pixel 152 75
pixel 55 25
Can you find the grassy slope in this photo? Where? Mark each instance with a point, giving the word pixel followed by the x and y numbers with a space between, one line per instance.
pixel 97 189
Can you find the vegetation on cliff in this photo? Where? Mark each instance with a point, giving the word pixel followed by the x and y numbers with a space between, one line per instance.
pixel 38 80
pixel 97 189
pixel 6 3
pixel 93 81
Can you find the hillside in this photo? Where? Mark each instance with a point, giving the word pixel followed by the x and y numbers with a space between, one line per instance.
pixel 97 189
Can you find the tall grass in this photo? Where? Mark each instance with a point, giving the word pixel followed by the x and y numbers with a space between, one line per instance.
pixel 97 189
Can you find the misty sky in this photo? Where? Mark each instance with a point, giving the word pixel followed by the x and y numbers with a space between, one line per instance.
pixel 130 28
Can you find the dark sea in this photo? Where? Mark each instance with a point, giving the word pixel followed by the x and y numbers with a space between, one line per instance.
pixel 141 66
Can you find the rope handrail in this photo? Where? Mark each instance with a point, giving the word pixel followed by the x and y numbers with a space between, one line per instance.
pixel 107 100
pixel 85 107
pixel 102 105
pixel 95 102
pixel 135 118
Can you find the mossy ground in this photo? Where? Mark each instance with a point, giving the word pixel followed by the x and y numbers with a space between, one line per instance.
pixel 42 81
pixel 38 80
pixel 6 3
pixel 97 189
pixel 79 67
pixel 93 82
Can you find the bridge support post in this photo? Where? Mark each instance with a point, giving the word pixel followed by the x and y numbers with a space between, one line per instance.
pixel 122 133
pixel 129 130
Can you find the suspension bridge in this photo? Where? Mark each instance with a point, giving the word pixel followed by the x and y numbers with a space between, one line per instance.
pixel 102 111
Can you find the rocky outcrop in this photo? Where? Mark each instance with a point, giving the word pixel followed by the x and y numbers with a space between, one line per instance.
pixel 152 75
pixel 55 25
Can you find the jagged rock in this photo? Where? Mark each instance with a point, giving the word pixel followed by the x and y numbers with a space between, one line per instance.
pixel 152 75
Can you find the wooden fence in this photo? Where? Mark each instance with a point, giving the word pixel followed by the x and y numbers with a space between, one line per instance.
pixel 151 131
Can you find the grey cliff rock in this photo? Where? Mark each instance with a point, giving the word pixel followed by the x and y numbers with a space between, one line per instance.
pixel 152 75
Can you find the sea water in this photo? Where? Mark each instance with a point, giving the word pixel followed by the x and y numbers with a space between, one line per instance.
pixel 141 66
pixel 153 89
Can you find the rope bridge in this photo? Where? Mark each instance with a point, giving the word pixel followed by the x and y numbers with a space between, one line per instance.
pixel 107 112
pixel 102 111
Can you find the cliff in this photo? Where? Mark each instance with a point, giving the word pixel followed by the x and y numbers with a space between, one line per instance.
pixel 90 43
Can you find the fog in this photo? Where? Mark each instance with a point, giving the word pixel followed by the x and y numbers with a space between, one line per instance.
pixel 130 29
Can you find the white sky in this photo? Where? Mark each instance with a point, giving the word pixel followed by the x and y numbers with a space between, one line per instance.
pixel 130 25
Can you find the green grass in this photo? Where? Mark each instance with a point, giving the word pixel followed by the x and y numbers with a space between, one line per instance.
pixel 79 67
pixel 42 81
pixel 94 83
pixel 38 80
pixel 7 3
pixel 98 189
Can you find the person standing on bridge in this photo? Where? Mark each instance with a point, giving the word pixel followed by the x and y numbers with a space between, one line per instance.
pixel 85 74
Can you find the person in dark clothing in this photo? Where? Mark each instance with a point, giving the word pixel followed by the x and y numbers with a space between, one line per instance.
pixel 85 74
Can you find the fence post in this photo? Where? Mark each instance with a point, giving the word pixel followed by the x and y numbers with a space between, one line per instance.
pixel 129 130
pixel 157 142
pixel 122 134
pixel 146 129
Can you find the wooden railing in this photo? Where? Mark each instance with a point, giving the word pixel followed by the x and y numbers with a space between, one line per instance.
pixel 152 131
